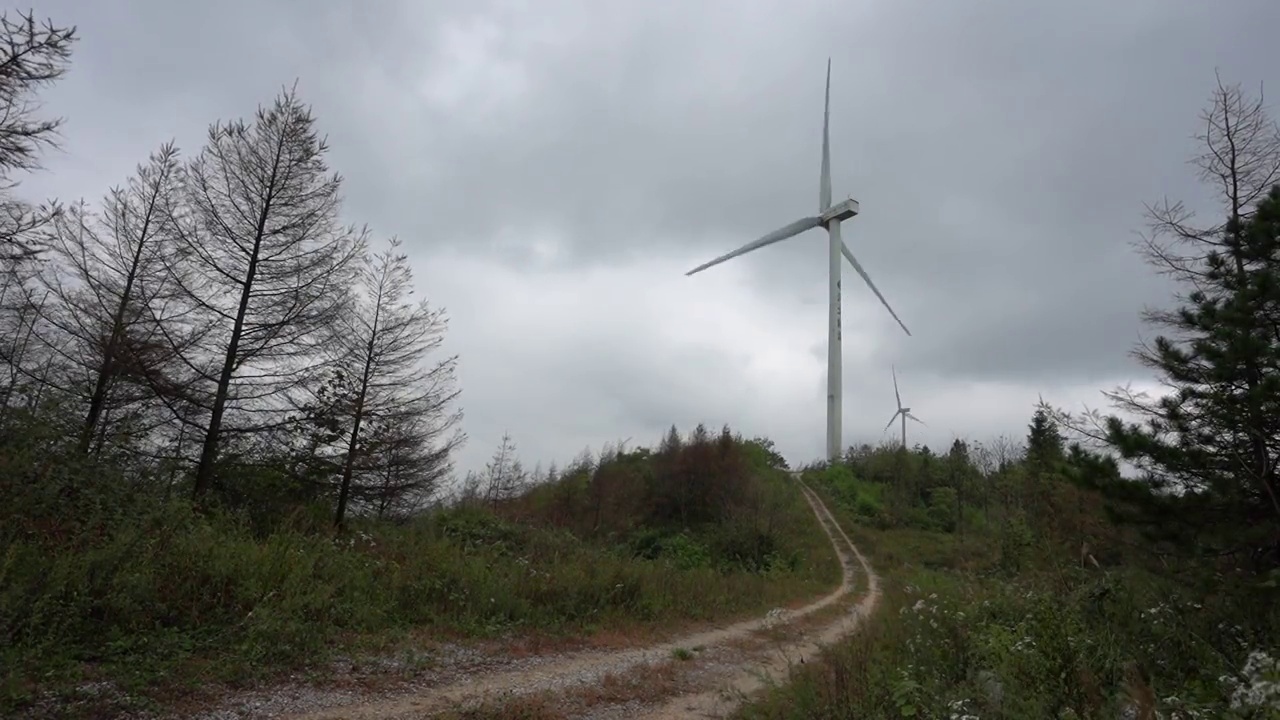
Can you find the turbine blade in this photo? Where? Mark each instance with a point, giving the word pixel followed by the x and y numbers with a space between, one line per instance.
pixel 913 417
pixel 778 235
pixel 890 423
pixel 824 183
pixel 895 385
pixel 857 266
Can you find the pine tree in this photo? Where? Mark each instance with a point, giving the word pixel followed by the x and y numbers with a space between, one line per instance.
pixel 671 443
pixel 1207 448
pixel 1212 444
pixel 1044 442
pixel 960 471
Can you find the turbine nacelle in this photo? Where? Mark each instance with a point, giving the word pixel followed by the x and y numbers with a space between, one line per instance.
pixel 839 212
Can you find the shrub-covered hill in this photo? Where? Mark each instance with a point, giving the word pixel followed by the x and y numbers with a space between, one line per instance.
pixel 122 581
pixel 1014 589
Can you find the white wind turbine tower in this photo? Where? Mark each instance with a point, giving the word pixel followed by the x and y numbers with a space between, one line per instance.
pixel 903 412
pixel 829 216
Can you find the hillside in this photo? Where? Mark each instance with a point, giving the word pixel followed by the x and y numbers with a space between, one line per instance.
pixel 121 586
pixel 1019 596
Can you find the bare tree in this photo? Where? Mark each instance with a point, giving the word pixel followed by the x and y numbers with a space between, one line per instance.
pixel 112 287
pixel 503 475
pixel 32 55
pixel 1006 451
pixel 15 300
pixel 267 263
pixel 19 344
pixel 408 472
pixel 984 461
pixel 399 410
pixel 1240 161
pixel 983 458
pixel 599 485
pixel 468 491
pixel 29 349
pixel 1001 454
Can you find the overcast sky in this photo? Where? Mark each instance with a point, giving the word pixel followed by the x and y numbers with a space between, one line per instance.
pixel 554 168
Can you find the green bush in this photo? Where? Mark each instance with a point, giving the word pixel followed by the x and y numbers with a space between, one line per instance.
pixel 1016 544
pixel 942 509
pixel 868 507
pixel 742 547
pixel 473 527
pixel 685 552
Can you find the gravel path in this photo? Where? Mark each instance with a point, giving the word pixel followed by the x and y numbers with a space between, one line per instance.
pixel 771 666
pixel 723 665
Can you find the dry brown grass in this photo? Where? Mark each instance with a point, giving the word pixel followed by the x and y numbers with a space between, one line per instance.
pixel 529 707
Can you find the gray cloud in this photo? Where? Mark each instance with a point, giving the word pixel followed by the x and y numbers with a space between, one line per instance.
pixel 1001 153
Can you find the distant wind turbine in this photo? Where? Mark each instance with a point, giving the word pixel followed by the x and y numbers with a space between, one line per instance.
pixel 829 216
pixel 902 412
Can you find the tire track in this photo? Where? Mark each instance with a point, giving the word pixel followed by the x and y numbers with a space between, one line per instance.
pixel 773 667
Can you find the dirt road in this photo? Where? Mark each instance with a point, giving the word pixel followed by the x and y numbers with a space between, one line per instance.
pixel 704 674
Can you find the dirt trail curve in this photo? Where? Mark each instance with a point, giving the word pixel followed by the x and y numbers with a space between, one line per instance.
pixel 705 674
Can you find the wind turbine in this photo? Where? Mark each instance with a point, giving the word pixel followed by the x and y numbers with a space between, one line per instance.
pixel 903 412
pixel 829 216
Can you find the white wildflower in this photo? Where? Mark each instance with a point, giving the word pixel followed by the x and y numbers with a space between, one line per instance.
pixel 1260 686
pixel 960 710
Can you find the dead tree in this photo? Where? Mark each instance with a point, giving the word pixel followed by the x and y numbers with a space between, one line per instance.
pixel 400 422
pixel 1239 161
pixel 504 475
pixel 408 473
pixel 267 263
pixel 1004 453
pixel 19 341
pixel 32 55
pixel 113 289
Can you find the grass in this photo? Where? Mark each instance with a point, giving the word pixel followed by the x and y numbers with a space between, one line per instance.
pixel 963 633
pixel 171 599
